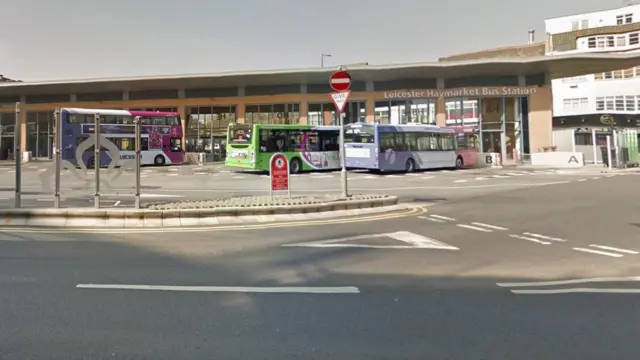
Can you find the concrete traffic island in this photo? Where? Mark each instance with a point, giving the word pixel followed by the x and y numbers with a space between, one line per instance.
pixel 238 210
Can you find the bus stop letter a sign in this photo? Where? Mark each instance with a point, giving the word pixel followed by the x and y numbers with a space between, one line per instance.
pixel 340 99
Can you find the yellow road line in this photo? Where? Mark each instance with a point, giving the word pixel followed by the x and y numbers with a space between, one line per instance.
pixel 406 213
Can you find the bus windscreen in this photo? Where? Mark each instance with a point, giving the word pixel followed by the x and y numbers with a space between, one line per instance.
pixel 240 134
pixel 359 134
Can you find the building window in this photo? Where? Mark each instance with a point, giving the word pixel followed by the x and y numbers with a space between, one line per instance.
pixel 575 79
pixel 621 40
pixel 584 24
pixel 405 111
pixel 575 105
pixel 630 103
pixel 598 76
pixel 326 114
pixel 600 104
pixel 627 73
pixel 272 114
pixel 619 103
pixel 206 128
pixel 634 39
pixel 624 19
pixel 460 111
pixel 40 134
pixel 575 25
pixel 8 125
pixel 591 42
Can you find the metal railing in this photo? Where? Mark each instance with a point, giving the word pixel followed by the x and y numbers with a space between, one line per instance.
pixel 97 140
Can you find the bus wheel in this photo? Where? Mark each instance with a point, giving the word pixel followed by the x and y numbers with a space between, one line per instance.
pixel 91 164
pixel 295 166
pixel 459 162
pixel 158 160
pixel 410 166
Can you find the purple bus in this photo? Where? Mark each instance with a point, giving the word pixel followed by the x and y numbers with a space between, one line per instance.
pixel 405 148
pixel 161 136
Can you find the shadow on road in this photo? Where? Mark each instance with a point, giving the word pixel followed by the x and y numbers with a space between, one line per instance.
pixel 396 315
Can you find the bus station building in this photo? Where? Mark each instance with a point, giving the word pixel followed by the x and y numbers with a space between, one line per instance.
pixel 505 93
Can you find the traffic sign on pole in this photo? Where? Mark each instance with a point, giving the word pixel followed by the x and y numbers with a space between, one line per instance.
pixel 279 173
pixel 340 99
pixel 340 81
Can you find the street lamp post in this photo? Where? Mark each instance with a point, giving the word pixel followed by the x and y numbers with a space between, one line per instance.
pixel 322 56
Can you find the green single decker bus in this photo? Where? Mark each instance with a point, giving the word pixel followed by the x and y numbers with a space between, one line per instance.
pixel 307 147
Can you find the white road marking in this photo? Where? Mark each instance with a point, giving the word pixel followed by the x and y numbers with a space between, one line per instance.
pixel 173 169
pixel 431 219
pixel 595 178
pixel 443 217
pixel 604 247
pixel 582 180
pixel 173 174
pixel 598 252
pixel 544 237
pixel 481 178
pixel 411 240
pixel 117 203
pixel 515 174
pixel 44 200
pixel 238 177
pixel 569 281
pixel 427 177
pixel 530 239
pixel 489 226
pixel 499 176
pixel 576 290
pixel 243 289
pixel 460 181
pixel 474 228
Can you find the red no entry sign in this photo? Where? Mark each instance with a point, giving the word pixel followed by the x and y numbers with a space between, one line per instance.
pixel 340 81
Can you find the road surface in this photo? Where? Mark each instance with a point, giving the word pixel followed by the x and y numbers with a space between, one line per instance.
pixel 494 275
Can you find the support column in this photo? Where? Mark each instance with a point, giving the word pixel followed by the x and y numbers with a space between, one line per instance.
pixel 440 104
pixel 23 124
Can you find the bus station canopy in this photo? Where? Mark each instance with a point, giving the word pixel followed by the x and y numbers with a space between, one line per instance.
pixel 556 66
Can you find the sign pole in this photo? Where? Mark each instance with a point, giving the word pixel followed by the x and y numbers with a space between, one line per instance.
pixel 343 171
pixel 96 160
pixel 340 81
pixel 138 162
pixel 56 154
pixel 17 155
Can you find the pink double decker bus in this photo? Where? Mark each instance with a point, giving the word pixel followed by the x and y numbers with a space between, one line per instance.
pixel 467 145
pixel 161 136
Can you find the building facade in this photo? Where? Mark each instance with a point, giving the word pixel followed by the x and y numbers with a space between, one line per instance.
pixel 508 100
pixel 615 92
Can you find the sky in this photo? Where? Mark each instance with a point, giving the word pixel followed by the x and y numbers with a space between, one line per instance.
pixel 76 39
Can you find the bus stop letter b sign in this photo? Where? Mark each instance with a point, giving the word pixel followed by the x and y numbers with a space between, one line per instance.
pixel 279 173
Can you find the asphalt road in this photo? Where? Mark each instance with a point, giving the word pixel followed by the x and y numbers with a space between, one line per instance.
pixel 435 286
pixel 213 182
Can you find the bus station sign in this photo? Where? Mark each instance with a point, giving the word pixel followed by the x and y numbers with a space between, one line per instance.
pixel 279 173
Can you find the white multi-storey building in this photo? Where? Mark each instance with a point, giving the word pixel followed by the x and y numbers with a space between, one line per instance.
pixel 584 106
pixel 616 91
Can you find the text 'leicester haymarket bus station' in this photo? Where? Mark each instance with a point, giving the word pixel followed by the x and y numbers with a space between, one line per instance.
pixel 506 97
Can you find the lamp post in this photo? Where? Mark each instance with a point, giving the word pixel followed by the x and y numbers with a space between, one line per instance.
pixel 322 56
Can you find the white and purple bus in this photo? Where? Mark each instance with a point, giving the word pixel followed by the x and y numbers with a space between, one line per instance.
pixel 406 148
pixel 161 136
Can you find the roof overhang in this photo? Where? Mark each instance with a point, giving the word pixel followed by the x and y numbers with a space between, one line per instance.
pixel 556 66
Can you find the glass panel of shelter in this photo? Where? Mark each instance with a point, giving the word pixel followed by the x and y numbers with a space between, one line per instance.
pixel 405 111
pixel 206 128
pixel 326 114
